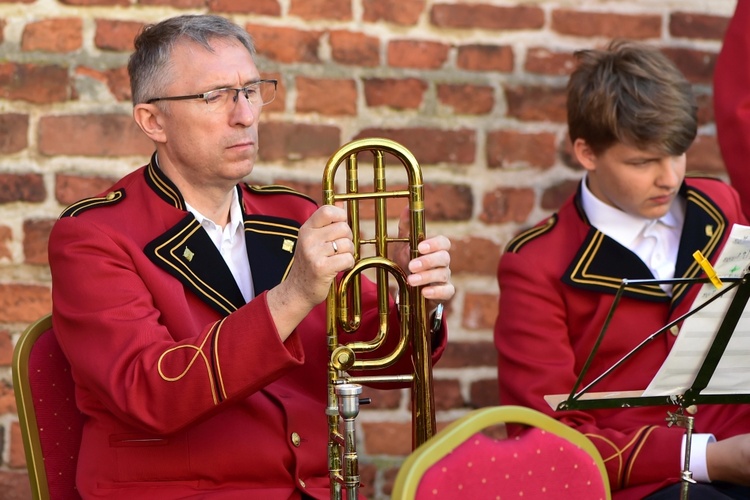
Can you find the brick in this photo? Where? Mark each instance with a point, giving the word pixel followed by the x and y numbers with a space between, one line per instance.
pixel 508 148
pixel 287 45
pixel 480 309
pixel 402 12
pixel 480 57
pixel 296 141
pixel 6 237
pixel 383 399
pixel 704 156
pixel 536 103
pixel 53 35
pixel 37 84
pixel 23 303
pixel 553 197
pixel 14 131
pixel 22 187
pixel 696 65
pixel 175 4
pixel 389 476
pixel 91 3
pixel 431 146
pixel 705 109
pixel 367 475
pixel 262 7
pixel 543 61
pixel 395 93
pixel 358 49
pixel 6 352
pixel 15 484
pixel 447 394
pixel 36 234
pixel 467 99
pixel 418 54
pixel 116 79
pixel 484 16
pixel 483 393
pixel 7 399
pixel 340 10
pixel 507 205
pixel 92 135
pixel 695 25
pixel 475 255
pixel 17 454
pixel 116 35
pixel 387 438
pixel 480 353
pixel 448 202
pixel 326 96
pixel 71 188
pixel 606 24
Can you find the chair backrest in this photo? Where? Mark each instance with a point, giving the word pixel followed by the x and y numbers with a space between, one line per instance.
pixel 547 460
pixel 50 422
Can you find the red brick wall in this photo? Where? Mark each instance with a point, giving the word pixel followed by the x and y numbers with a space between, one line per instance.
pixel 475 90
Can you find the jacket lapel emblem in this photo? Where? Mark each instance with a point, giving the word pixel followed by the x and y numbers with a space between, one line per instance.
pixel 270 244
pixel 186 252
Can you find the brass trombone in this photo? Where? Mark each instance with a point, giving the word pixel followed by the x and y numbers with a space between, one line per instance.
pixel 344 310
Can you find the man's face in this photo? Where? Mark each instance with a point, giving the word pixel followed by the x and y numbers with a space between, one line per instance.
pixel 639 182
pixel 207 147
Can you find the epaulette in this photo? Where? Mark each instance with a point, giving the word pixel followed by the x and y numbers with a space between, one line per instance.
pixel 277 189
pixel 89 203
pixel 526 236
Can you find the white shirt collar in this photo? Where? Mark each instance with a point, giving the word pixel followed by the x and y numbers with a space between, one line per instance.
pixel 621 226
pixel 235 217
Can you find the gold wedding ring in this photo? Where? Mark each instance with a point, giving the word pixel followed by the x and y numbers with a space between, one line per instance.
pixel 335 247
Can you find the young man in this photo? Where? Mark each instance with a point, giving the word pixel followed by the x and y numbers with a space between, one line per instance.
pixel 631 117
pixel 192 306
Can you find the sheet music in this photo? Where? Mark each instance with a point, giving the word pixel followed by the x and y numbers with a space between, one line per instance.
pixel 732 374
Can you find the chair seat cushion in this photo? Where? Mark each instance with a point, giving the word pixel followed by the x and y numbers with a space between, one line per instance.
pixel 534 465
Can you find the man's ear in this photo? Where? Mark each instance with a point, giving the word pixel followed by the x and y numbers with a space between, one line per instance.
pixel 151 120
pixel 584 154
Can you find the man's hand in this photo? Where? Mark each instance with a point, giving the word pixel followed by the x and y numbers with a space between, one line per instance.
pixel 324 249
pixel 729 460
pixel 431 269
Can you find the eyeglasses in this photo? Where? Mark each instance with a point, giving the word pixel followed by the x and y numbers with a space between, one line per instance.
pixel 258 94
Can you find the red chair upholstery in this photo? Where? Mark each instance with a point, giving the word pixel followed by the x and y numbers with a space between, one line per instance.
pixel 51 424
pixel 547 461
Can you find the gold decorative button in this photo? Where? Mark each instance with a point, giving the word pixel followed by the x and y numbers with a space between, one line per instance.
pixel 111 196
pixel 674 330
pixel 302 483
pixel 296 440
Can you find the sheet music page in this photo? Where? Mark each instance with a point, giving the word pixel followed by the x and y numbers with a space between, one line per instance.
pixel 732 374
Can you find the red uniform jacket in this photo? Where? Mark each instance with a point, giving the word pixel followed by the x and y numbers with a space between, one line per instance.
pixel 732 101
pixel 187 390
pixel 557 283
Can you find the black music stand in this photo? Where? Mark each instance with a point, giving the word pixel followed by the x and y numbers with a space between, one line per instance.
pixel 583 399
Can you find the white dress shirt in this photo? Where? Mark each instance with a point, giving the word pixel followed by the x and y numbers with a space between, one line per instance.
pixel 656 242
pixel 230 241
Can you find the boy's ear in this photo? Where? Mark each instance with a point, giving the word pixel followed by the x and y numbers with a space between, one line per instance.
pixel 584 154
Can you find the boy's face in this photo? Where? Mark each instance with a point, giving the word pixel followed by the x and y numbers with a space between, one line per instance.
pixel 640 182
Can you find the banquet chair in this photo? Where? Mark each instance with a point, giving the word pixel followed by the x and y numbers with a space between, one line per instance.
pixel 548 460
pixel 50 422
